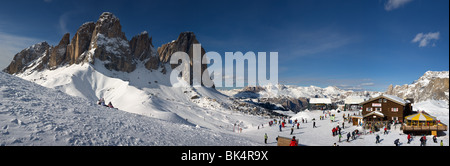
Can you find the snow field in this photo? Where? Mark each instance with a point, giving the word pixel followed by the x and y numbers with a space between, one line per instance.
pixel 34 115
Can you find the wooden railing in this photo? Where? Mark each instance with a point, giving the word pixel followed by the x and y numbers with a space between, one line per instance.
pixel 438 127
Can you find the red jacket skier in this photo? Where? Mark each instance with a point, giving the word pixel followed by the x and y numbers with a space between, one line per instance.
pixel 293 142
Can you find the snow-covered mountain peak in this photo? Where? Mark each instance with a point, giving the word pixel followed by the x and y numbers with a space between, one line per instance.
pixel 433 85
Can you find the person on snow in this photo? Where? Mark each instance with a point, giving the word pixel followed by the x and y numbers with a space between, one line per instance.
pixel 298 125
pixel 340 136
pixel 339 129
pixel 293 142
pixel 435 139
pixel 423 141
pixel 314 124
pixel 280 127
pixel 292 130
pixel 409 138
pixel 378 139
pixel 110 105
pixel 385 130
pixel 396 142
pixel 265 138
pixel 348 137
pixel 101 102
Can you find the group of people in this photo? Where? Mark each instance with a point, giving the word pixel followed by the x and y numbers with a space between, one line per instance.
pixel 101 102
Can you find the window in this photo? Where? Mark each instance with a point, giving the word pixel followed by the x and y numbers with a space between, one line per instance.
pixel 378 109
pixel 379 100
pixel 384 100
pixel 368 109
pixel 394 109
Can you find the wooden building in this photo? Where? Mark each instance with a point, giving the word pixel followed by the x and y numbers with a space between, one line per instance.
pixel 385 108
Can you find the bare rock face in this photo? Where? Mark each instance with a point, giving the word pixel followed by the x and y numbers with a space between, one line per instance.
pixel 184 43
pixel 104 42
pixel 433 85
pixel 24 59
pixel 111 44
pixel 141 46
pixel 59 53
pixel 78 47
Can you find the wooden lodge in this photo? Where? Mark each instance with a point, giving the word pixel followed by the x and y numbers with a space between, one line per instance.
pixel 385 108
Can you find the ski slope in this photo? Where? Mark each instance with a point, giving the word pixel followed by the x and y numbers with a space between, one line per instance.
pixel 322 135
pixel 34 115
pixel 145 93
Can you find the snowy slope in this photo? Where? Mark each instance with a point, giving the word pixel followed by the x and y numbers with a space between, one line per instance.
pixel 34 115
pixel 145 93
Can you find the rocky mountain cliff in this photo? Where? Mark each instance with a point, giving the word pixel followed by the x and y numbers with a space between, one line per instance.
pixel 103 42
pixel 433 85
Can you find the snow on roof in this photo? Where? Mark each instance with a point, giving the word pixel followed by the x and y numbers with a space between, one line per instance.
pixel 355 99
pixel 375 113
pixel 319 101
pixel 390 97
pixel 397 99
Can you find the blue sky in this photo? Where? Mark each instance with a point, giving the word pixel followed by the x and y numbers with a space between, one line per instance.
pixel 352 44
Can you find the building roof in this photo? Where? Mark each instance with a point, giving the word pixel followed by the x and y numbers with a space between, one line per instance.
pixel 374 113
pixel 392 98
pixel 355 99
pixel 319 101
pixel 421 116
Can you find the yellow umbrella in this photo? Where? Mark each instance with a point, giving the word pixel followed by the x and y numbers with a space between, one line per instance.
pixel 420 117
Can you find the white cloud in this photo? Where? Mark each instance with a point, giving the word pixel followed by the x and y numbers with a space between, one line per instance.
pixel 394 4
pixel 63 22
pixel 425 39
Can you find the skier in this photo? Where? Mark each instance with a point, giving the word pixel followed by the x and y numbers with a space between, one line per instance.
pixel 339 129
pixel 348 136
pixel 333 131
pixel 340 136
pixel 298 125
pixel 409 138
pixel 280 127
pixel 385 130
pixel 293 142
pixel 396 142
pixel 314 124
pixel 265 138
pixel 378 139
pixel 423 141
pixel 435 139
pixel 442 143
pixel 292 130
